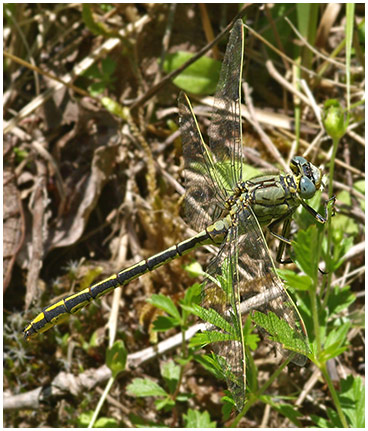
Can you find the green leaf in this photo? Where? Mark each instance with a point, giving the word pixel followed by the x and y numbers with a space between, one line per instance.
pixel 145 388
pixel 307 21
pixel 108 67
pixel 341 223
pixel 211 364
pixel 281 332
pixel 164 323
pixel 334 418
pixel 106 423
pixel 337 336
pixel 250 339
pixel 352 399
pixel 116 357
pixel 305 248
pixel 192 296
pixel 97 88
pixel 250 172
pixel 201 77
pixel 196 419
pixel 295 281
pixel 335 343
pixel 166 304
pixel 212 316
pixel 165 403
pixel 183 398
pixel 207 337
pixel 171 373
pixel 340 299
pixel 359 186
pixel 321 422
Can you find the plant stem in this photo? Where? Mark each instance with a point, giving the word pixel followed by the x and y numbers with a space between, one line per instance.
pixel 334 396
pixel 329 258
pixel 101 401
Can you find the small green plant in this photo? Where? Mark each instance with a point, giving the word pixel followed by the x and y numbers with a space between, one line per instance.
pixel 322 307
pixel 102 77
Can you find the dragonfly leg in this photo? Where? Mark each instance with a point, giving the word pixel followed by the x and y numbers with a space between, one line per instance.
pixel 284 237
pixel 286 218
pixel 316 215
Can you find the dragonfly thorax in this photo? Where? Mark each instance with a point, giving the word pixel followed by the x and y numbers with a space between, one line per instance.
pixel 275 196
pixel 269 196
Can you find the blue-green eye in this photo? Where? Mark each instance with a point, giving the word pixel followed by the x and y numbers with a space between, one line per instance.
pixel 306 188
pixel 301 160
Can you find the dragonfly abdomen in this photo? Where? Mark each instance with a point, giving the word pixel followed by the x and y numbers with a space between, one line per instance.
pixel 58 311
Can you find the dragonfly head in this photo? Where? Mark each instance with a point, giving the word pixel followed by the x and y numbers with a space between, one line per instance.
pixel 308 177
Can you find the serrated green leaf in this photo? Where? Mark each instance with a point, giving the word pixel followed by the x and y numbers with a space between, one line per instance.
pixel 332 352
pixel 281 332
pixel 251 339
pixel 212 316
pixel 183 398
pixel 196 419
pixel 145 388
pixel 207 337
pixel 171 373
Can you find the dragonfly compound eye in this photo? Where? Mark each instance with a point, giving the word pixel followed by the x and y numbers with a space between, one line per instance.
pixel 297 164
pixel 307 189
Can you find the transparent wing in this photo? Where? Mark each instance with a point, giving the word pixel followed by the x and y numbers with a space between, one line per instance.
pixel 262 291
pixel 221 300
pixel 211 171
pixel 225 132
pixel 205 193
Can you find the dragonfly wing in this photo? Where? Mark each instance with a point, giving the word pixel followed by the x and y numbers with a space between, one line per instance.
pixel 220 297
pixel 205 194
pixel 225 132
pixel 212 171
pixel 262 290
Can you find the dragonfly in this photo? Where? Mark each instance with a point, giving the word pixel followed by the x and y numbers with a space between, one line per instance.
pixel 229 213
